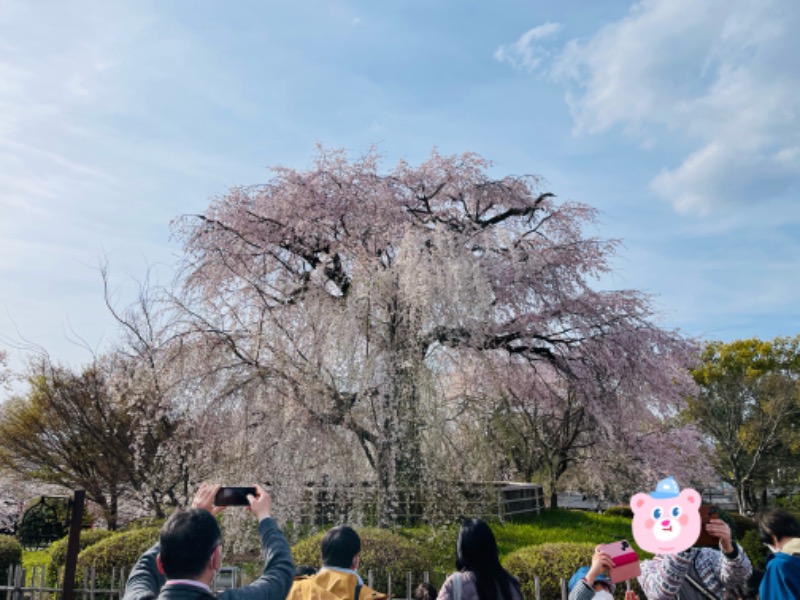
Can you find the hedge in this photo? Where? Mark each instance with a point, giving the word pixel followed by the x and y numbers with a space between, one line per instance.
pixel 622 510
pixel 142 523
pixel 756 551
pixel 58 551
pixel 550 562
pixel 117 551
pixel 10 554
pixel 381 551
pixel 741 524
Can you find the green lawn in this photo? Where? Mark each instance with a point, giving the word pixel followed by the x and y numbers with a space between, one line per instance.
pixel 558 525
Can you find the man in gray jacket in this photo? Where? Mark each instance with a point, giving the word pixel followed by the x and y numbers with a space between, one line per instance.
pixel 183 564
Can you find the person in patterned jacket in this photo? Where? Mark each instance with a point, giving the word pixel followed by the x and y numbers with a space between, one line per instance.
pixel 697 573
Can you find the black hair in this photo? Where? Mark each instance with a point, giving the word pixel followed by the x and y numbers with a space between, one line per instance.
pixel 425 591
pixel 340 546
pixel 188 539
pixel 476 551
pixel 777 522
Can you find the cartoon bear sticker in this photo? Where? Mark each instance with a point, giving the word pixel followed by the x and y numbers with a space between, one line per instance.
pixel 667 520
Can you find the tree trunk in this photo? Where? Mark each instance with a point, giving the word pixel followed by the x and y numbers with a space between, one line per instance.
pixel 741 497
pixel 387 484
pixel 553 488
pixel 113 510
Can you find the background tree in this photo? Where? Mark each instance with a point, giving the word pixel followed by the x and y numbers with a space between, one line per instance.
pixel 749 406
pixel 353 296
pixel 77 431
pixel 545 426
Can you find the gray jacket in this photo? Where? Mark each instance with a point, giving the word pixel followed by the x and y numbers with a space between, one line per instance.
pixel 145 581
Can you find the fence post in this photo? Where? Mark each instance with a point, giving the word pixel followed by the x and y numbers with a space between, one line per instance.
pixel 500 505
pixel 68 591
pixel 563 583
pixel 370 579
pixel 409 583
pixel 389 584
pixel 537 590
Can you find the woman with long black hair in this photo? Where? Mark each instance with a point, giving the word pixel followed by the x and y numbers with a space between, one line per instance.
pixel 480 575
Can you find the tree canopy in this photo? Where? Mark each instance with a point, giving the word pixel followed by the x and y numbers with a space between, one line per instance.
pixel 366 300
pixel 749 406
pixel 85 430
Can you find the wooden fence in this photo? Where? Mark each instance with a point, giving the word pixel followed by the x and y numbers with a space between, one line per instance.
pixel 22 584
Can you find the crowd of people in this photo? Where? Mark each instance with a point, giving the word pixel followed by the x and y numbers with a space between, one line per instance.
pixel 182 565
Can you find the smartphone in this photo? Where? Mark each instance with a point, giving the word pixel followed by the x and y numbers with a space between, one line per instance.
pixel 626 562
pixel 705 539
pixel 233 496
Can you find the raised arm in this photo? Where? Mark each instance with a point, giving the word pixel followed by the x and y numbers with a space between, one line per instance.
pixel 278 574
pixel 145 580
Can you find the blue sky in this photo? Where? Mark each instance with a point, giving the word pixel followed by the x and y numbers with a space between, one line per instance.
pixel 678 119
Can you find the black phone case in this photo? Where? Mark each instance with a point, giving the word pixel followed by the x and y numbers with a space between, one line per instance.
pixel 233 496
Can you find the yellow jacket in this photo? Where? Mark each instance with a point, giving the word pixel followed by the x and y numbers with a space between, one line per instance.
pixel 331 585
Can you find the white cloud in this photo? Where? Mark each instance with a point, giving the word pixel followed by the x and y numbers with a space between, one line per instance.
pixel 524 54
pixel 717 75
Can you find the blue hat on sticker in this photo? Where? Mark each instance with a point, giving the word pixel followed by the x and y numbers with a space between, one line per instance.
pixel 582 572
pixel 666 488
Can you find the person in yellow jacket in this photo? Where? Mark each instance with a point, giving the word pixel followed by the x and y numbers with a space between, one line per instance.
pixel 338 578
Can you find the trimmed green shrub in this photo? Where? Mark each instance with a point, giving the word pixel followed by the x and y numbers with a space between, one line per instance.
pixel 117 551
pixel 741 524
pixel 550 562
pixel 382 552
pixel 621 510
pixel 58 551
pixel 10 554
pixel 142 523
pixel 440 548
pixel 755 549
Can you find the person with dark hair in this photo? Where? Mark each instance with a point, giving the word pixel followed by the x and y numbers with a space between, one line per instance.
pixel 480 575
pixel 591 582
pixel 779 530
pixel 338 578
pixel 190 542
pixel 341 547
pixel 189 553
pixel 425 591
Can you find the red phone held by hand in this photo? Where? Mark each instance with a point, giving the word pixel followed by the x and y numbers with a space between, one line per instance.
pixel 626 562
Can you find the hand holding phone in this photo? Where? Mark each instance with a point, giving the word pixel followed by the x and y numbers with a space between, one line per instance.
pixel 626 562
pixel 706 539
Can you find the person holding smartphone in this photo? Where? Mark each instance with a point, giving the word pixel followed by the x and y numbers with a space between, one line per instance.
pixel 702 573
pixel 592 583
pixel 183 564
